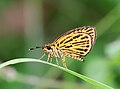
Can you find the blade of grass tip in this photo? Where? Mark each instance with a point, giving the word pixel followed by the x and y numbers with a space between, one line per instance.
pixel 89 80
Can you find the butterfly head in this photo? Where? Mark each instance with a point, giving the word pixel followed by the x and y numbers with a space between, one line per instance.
pixel 47 48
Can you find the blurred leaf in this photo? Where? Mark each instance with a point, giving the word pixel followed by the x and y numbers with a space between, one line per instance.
pixel 113 48
pixel 108 20
pixel 91 81
pixel 92 66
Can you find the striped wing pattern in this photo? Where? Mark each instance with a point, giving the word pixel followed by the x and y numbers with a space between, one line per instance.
pixel 76 42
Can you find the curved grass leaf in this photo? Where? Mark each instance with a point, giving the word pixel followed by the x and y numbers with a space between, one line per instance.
pixel 89 80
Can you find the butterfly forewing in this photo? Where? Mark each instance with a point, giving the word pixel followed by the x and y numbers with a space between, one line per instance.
pixel 89 30
pixel 77 45
pixel 76 42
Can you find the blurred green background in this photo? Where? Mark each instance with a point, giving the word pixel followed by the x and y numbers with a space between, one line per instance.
pixel 28 23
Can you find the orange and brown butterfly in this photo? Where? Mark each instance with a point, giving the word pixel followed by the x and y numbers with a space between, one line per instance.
pixel 75 44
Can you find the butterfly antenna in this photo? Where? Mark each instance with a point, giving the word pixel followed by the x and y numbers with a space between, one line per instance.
pixel 35 48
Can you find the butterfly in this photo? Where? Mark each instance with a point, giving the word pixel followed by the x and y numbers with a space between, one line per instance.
pixel 75 44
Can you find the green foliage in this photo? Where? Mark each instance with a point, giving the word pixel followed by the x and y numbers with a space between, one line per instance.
pixel 91 81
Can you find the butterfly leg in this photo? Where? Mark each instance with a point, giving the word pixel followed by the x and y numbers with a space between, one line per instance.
pixel 64 63
pixel 57 61
pixel 42 56
pixel 48 57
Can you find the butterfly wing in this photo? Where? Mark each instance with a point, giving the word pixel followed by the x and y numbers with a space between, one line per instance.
pixel 90 31
pixel 76 46
pixel 76 42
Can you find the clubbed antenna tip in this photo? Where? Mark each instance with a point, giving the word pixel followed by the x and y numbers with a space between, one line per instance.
pixel 31 49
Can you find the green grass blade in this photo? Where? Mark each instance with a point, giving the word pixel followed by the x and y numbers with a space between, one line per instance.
pixel 89 80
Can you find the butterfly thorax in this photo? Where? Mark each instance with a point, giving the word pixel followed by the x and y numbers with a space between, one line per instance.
pixel 53 50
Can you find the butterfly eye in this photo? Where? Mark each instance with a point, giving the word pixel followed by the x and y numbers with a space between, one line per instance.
pixel 48 47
